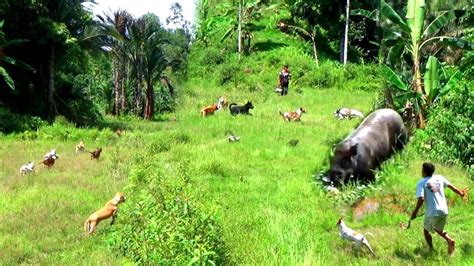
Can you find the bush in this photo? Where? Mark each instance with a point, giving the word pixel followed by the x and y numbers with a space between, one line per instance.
pixel 161 224
pixel 10 122
pixel 449 130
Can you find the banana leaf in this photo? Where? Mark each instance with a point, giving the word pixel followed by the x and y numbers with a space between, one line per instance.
pixel 415 18
pixel 7 78
pixel 388 12
pixel 431 78
pixel 439 22
pixel 394 79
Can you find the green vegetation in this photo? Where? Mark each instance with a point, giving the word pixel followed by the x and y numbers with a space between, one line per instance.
pixel 193 197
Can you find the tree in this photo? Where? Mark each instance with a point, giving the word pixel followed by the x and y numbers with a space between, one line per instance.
pixel 346 33
pixel 4 43
pixel 310 34
pixel 408 38
pixel 242 22
pixel 115 27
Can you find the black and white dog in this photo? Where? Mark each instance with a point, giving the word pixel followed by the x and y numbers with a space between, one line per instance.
pixel 342 113
pixel 240 109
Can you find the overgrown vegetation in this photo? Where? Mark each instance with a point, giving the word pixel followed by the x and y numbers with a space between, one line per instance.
pixel 192 196
pixel 163 223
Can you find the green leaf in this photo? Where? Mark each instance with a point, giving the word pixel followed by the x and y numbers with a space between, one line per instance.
pixel 439 22
pixel 18 63
pixel 453 80
pixel 415 18
pixel 365 13
pixel 394 79
pixel 7 78
pixel 431 78
pixel 395 53
pixel 388 12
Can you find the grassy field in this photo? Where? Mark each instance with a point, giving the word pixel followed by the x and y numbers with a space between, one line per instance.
pixel 262 190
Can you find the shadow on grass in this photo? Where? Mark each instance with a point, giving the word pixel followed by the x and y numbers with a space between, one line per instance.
pixel 409 255
pixel 268 46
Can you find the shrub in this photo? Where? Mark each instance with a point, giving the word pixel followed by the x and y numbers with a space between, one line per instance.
pixel 161 224
pixel 10 122
pixel 448 135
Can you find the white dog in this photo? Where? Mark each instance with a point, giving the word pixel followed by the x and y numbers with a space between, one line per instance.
pixel 51 154
pixel 357 238
pixel 26 168
pixel 342 113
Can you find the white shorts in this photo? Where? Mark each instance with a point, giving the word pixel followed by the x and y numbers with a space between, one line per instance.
pixel 438 223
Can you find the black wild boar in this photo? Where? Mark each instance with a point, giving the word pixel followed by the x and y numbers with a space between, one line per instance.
pixel 374 140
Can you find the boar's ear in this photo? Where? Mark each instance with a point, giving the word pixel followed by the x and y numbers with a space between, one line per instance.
pixel 353 149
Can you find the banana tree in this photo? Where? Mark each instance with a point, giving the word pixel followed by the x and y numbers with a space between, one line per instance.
pixel 4 43
pixel 409 37
pixel 310 34
pixel 247 13
pixel 436 83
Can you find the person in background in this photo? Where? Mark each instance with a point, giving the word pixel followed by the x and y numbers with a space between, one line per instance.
pixel 284 80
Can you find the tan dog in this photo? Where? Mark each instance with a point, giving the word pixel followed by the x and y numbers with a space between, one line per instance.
pixel 208 110
pixel 80 147
pixel 110 209
pixel 222 103
pixel 293 116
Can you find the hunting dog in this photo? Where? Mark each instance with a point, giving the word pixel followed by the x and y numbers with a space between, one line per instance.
pixel 342 113
pixel 241 109
pixel 357 238
pixel 80 147
pixel 95 154
pixel 293 116
pixel 26 168
pixel 209 110
pixel 222 103
pixel 51 154
pixel 110 209
pixel 48 162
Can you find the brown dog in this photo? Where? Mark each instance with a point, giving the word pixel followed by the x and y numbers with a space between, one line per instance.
pixel 293 116
pixel 208 110
pixel 110 209
pixel 48 161
pixel 95 154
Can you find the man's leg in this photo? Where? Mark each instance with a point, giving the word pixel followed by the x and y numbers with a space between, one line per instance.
pixel 429 239
pixel 451 242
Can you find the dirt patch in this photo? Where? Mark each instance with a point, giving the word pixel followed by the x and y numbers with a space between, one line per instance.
pixel 364 207
pixel 372 205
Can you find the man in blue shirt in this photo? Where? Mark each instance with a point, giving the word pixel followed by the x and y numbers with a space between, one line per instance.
pixel 430 189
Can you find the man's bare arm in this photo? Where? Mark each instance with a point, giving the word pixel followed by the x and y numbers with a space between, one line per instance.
pixel 419 203
pixel 457 191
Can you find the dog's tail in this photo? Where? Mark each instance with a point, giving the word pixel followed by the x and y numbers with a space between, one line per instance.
pixel 368 234
pixel 230 105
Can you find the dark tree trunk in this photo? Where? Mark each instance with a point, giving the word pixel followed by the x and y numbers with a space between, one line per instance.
pixel 149 101
pixel 51 103
pixel 116 87
pixel 122 94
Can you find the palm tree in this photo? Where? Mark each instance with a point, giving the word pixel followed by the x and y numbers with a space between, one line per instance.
pixel 115 27
pixel 148 58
